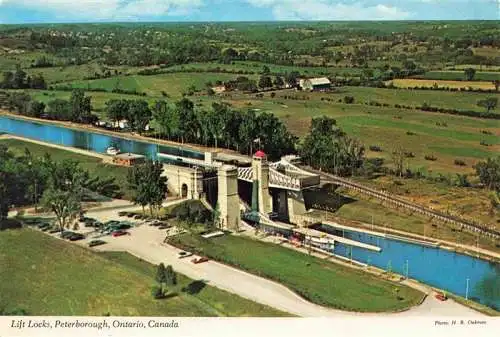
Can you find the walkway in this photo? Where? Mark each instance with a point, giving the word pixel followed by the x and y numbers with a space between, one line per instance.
pixel 146 242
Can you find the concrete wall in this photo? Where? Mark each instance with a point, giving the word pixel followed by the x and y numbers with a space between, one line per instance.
pixel 261 174
pixel 184 176
pixel 228 198
pixel 296 206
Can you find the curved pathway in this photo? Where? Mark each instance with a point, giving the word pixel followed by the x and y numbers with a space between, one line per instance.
pixel 146 242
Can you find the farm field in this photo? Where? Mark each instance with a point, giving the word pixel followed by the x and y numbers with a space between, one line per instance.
pixel 86 283
pixel 352 290
pixel 412 83
pixel 257 68
pixel 386 126
pixel 173 84
pixel 459 75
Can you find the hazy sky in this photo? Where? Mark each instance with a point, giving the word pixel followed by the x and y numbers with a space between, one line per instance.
pixel 21 11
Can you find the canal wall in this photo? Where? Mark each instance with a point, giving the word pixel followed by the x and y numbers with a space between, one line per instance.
pixel 60 147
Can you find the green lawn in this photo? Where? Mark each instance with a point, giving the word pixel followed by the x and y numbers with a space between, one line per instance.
pixel 319 281
pixel 47 276
pixel 92 164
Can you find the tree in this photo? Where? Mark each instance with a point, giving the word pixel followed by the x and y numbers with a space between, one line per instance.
pixel 278 82
pixel 398 159
pixel 489 103
pixel 139 115
pixel 348 99
pixel 469 73
pixel 66 205
pixel 161 276
pixel 265 82
pixel 148 184
pixel 170 277
pixel 166 118
pixel 59 109
pixel 489 172
pixel 291 78
pixel 81 106
pixel 266 70
pixel 36 109
pixel 496 83
pixel 116 110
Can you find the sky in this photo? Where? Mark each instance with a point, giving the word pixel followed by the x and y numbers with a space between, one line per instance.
pixel 44 11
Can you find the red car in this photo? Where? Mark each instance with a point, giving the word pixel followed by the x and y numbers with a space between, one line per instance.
pixel 199 260
pixel 120 233
pixel 441 296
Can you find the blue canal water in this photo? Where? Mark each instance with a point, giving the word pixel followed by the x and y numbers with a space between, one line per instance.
pixel 434 266
pixel 87 140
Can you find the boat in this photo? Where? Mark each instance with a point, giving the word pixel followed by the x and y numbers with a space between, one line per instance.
pixel 112 151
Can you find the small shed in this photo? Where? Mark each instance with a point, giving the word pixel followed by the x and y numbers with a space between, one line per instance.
pixel 128 159
pixel 316 84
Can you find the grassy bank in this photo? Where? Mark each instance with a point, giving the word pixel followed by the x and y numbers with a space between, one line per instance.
pixel 47 276
pixel 319 281
pixel 91 164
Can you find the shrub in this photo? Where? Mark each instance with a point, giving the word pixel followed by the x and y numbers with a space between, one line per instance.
pixel 375 148
pixel 410 133
pixel 409 155
pixel 459 162
pixel 430 157
pixel 348 99
pixel 484 143
pixel 157 293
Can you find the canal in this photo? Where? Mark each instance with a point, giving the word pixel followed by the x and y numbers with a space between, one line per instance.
pixel 86 140
pixel 454 272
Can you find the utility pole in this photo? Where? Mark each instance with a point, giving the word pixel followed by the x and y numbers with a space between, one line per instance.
pixel 467 290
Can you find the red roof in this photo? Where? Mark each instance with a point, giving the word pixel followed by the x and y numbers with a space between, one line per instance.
pixel 260 154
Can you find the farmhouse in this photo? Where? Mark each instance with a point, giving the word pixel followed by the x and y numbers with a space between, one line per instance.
pixel 128 159
pixel 315 84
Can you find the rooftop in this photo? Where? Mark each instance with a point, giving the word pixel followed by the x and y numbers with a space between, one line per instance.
pixel 319 81
pixel 129 156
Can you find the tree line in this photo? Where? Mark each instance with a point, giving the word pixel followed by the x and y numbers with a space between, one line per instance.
pixel 19 79
pixel 59 186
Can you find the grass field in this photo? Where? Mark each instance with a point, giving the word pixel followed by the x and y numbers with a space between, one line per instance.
pixel 412 83
pixel 99 99
pixel 440 99
pixel 388 126
pixel 459 75
pixel 47 276
pixel 173 84
pixel 319 281
pixel 78 72
pixel 92 164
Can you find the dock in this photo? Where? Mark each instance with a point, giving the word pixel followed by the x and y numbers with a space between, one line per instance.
pixel 315 233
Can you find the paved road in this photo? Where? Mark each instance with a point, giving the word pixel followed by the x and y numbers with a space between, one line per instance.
pixel 147 243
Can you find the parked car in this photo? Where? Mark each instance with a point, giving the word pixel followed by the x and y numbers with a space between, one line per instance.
pixel 76 237
pixel 163 227
pixel 67 234
pixel 441 296
pixel 43 225
pixel 120 233
pixel 184 254
pixel 54 230
pixel 130 215
pixel 137 216
pixel 199 260
pixel 94 243
pixel 123 213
